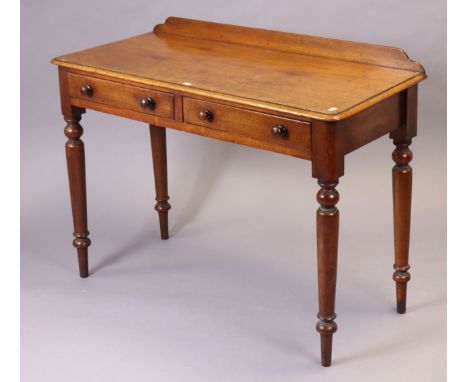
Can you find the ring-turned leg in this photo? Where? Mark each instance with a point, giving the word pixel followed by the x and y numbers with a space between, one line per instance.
pixel 158 148
pixel 402 175
pixel 327 256
pixel 75 154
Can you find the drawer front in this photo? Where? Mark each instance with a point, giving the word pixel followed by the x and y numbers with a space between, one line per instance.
pixel 259 126
pixel 121 95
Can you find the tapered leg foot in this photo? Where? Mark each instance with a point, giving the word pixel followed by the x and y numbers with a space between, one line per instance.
pixel 327 257
pixel 402 175
pixel 83 262
pixel 74 149
pixel 158 148
pixel 163 207
pixel 401 279
pixel 326 330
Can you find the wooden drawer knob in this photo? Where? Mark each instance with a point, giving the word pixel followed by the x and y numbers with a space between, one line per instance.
pixel 86 90
pixel 205 115
pixel 147 103
pixel 279 131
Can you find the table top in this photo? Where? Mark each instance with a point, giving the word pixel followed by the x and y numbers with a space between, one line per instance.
pixel 309 76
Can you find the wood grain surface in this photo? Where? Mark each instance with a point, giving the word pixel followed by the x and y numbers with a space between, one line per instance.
pixel 320 78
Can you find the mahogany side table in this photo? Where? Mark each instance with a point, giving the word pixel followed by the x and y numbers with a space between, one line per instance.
pixel 309 97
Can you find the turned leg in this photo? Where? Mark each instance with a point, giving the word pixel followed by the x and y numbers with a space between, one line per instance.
pixel 74 149
pixel 402 175
pixel 327 255
pixel 158 148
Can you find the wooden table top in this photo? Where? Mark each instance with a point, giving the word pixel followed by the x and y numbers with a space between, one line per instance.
pixel 307 76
